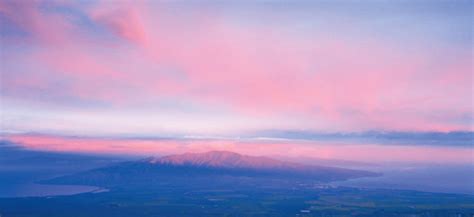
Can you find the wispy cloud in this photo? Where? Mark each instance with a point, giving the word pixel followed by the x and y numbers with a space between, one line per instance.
pixel 234 67
pixel 320 149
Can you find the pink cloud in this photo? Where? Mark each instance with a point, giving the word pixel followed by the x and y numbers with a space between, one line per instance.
pixel 124 20
pixel 356 152
pixel 43 27
pixel 335 83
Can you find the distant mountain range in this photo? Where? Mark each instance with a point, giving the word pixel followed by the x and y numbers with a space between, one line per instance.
pixel 193 166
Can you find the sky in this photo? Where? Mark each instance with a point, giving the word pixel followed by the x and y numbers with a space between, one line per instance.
pixel 120 76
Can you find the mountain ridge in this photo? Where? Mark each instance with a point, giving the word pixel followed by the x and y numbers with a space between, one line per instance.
pixel 208 165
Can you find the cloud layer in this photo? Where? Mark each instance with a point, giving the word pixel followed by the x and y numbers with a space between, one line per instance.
pixel 149 67
pixel 373 153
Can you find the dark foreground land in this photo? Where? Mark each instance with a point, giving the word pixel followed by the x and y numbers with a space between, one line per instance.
pixel 274 199
pixel 229 184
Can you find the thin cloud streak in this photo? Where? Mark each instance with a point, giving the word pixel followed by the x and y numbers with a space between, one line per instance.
pixel 324 150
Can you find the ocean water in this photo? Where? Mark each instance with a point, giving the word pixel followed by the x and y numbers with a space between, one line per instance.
pixel 429 178
pixel 8 190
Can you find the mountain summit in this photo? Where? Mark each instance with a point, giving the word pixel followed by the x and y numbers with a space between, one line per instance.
pixel 223 159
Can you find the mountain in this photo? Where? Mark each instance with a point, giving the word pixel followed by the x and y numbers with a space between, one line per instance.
pixel 204 166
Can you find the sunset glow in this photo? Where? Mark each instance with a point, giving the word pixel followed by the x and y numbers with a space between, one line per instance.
pixel 102 69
